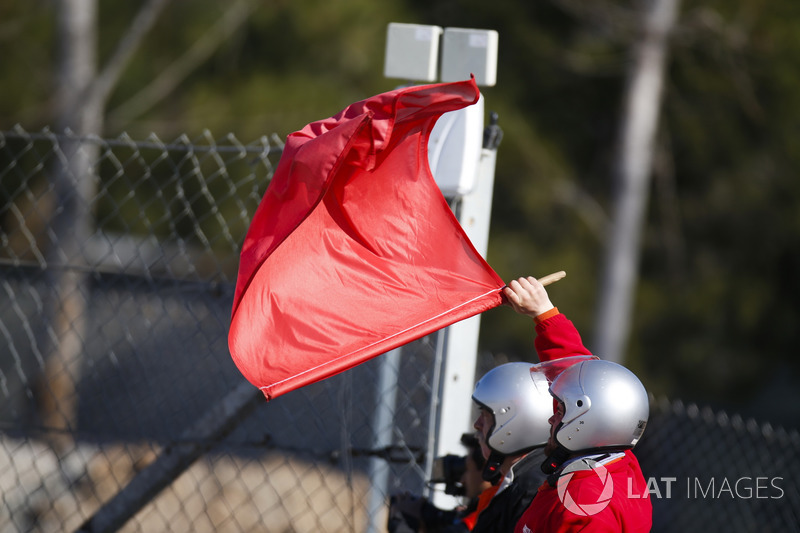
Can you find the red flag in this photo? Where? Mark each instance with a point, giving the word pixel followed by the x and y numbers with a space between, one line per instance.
pixel 353 250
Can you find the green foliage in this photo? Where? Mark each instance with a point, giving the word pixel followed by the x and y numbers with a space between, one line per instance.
pixel 26 45
pixel 718 294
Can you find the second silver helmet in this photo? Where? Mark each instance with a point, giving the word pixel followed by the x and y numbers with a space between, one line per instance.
pixel 605 406
pixel 521 405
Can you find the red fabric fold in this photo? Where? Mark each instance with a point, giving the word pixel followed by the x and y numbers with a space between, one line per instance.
pixel 353 251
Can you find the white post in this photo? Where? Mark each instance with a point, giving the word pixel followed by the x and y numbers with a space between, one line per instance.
pixel 454 413
pixel 463 165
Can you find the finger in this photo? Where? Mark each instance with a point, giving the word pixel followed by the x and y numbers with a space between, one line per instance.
pixel 514 286
pixel 512 296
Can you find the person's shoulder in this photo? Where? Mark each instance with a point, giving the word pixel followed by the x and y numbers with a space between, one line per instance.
pixel 528 471
pixel 629 464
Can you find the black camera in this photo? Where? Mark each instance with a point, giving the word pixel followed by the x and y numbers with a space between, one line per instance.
pixel 448 470
pixel 407 513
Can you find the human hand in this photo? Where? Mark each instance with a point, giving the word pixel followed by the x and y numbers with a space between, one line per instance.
pixel 528 296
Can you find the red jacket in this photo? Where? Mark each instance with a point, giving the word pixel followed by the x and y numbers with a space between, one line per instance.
pixel 581 505
pixel 556 337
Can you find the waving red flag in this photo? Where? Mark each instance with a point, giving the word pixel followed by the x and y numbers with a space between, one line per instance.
pixel 353 250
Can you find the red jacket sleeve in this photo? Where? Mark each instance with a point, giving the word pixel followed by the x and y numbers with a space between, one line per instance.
pixel 557 337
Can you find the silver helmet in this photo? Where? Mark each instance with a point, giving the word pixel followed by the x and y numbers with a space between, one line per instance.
pixel 605 405
pixel 521 405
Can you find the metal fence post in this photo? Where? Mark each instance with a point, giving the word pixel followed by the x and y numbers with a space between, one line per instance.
pixel 386 403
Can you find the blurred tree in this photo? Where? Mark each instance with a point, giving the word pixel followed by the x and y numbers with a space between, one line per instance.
pixel 632 171
pixel 717 297
pixel 80 96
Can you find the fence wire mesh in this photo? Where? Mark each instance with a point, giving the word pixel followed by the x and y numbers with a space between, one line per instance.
pixel 120 408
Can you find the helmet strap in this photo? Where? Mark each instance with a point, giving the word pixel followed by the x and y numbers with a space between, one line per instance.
pixel 491 469
pixel 553 461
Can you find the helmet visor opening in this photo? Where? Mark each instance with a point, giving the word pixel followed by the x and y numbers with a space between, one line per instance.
pixel 551 369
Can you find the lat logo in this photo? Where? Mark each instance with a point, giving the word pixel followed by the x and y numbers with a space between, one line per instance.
pixel 526 529
pixel 604 480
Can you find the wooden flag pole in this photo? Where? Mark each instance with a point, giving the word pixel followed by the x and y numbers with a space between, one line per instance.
pixel 552 278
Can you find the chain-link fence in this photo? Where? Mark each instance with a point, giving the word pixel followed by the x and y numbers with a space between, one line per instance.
pixel 120 407
pixel 117 282
pixel 713 472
